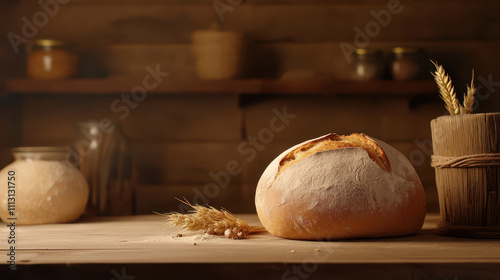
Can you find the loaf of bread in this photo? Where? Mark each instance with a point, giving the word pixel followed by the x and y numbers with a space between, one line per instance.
pixel 340 187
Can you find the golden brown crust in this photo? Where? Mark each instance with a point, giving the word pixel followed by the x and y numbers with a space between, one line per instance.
pixel 404 219
pixel 334 141
pixel 340 191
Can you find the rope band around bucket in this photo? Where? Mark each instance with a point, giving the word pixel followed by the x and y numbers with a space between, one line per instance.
pixel 476 160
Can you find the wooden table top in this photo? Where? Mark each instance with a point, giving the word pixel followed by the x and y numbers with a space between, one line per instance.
pixel 147 239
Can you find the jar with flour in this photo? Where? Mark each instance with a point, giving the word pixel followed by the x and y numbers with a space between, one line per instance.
pixel 41 187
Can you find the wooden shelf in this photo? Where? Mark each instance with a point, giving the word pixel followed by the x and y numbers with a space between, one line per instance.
pixel 247 86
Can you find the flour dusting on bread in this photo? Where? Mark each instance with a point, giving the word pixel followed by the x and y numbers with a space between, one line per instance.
pixel 338 187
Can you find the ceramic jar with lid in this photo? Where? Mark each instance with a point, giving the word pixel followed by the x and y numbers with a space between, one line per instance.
pixel 407 63
pixel 51 59
pixel 42 187
pixel 367 65
pixel 219 54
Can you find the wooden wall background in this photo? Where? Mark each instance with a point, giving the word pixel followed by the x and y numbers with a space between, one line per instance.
pixel 179 139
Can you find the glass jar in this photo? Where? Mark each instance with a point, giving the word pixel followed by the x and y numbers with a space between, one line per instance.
pixel 406 63
pixel 41 187
pixel 102 153
pixel 51 59
pixel 367 65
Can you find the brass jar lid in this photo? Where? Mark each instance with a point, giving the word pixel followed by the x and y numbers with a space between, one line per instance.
pixel 400 50
pixel 50 43
pixel 365 51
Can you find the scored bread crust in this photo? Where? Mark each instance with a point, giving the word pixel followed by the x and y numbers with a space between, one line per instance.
pixel 341 193
pixel 333 141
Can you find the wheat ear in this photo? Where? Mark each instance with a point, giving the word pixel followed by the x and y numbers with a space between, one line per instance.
pixel 469 98
pixel 446 90
pixel 212 221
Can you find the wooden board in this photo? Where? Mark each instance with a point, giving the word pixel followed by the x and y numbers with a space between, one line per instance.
pixel 147 239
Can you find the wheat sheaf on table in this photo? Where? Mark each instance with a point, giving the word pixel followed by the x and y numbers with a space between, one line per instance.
pixel 207 219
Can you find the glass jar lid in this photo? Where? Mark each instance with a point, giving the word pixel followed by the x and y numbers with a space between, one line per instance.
pixel 40 153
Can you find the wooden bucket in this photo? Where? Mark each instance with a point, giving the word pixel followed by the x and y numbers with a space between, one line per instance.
pixel 219 54
pixel 467 164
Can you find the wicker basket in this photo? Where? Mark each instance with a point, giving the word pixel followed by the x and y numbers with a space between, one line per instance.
pixel 467 163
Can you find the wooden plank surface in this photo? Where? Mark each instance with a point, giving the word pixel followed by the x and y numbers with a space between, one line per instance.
pixel 160 22
pixel 147 239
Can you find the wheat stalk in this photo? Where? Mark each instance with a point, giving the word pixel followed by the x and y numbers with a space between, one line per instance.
pixel 212 221
pixel 469 98
pixel 446 90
